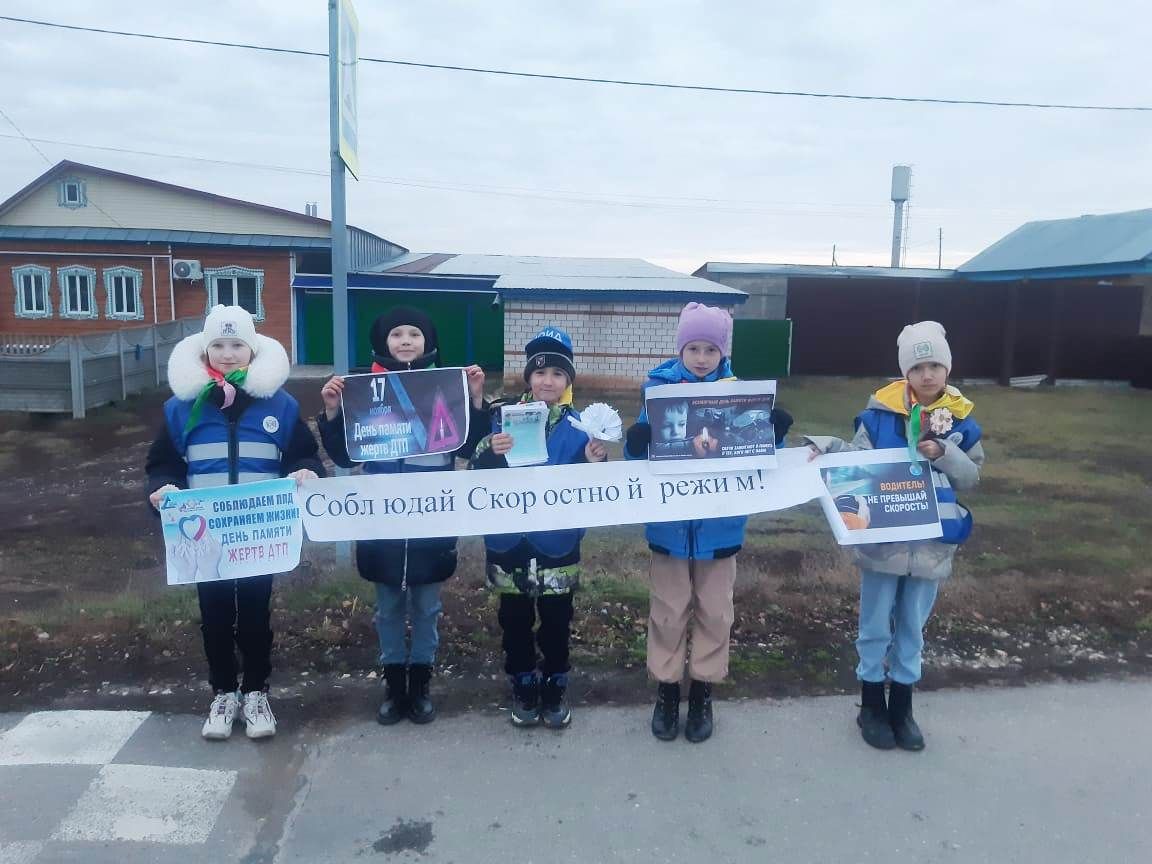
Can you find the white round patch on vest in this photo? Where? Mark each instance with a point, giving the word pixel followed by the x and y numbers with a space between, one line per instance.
pixel 271 424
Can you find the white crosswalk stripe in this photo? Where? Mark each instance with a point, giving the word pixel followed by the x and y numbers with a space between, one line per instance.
pixel 69 737
pixel 149 803
pixel 19 853
pixel 140 808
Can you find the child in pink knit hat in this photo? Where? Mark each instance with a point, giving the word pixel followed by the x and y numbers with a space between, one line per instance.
pixel 693 563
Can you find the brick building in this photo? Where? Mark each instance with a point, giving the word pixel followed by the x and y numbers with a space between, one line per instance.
pixel 88 250
pixel 620 312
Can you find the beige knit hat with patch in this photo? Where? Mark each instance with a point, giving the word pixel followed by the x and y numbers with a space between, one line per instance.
pixel 923 342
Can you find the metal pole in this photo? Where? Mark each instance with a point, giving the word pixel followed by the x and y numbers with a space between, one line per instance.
pixel 156 352
pixel 339 224
pixel 76 377
pixel 939 248
pixel 120 357
pixel 897 231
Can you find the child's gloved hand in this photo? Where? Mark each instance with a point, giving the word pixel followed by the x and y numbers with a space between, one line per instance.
pixel 157 497
pixel 330 393
pixel 637 439
pixel 781 423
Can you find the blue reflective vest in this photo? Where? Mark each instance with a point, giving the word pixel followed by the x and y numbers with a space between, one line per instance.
pixel 888 429
pixel 220 452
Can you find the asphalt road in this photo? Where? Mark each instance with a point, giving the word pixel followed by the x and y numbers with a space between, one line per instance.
pixel 1051 773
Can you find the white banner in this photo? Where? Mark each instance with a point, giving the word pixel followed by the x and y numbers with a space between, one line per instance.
pixel 544 498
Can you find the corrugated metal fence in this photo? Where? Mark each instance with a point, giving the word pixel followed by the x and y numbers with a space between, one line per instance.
pixel 60 374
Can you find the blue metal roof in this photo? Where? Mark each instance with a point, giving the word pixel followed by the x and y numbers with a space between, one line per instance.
pixel 365 249
pixel 1103 245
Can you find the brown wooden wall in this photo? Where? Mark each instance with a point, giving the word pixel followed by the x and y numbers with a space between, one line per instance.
pixel 849 326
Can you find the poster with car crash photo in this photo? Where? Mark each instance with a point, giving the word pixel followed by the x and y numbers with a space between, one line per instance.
pixel 720 426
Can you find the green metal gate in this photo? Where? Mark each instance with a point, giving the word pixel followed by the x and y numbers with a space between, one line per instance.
pixel 470 326
pixel 761 349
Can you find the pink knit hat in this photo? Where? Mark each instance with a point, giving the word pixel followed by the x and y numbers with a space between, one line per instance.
pixel 706 323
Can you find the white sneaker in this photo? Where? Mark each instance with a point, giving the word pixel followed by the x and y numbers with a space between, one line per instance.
pixel 221 715
pixel 258 715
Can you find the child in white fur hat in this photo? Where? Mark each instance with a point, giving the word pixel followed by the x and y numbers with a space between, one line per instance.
pixel 899 581
pixel 229 422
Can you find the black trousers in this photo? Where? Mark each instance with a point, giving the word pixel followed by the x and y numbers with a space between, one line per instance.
pixel 517 616
pixel 236 613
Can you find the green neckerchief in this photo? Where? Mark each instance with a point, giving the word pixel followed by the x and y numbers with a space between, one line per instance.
pixel 914 431
pixel 236 378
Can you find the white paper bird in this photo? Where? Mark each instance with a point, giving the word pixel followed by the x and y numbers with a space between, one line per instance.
pixel 601 422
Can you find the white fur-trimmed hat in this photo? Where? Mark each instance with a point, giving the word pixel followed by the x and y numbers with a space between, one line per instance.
pixel 229 322
pixel 923 342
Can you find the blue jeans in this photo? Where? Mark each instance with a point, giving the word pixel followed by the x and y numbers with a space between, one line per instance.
pixel 893 612
pixel 419 604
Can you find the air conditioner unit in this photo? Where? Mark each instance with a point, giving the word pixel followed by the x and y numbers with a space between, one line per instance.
pixel 183 268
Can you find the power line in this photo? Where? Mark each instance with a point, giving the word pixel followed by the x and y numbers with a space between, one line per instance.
pixel 20 134
pixel 622 82
pixel 667 202
pixel 32 144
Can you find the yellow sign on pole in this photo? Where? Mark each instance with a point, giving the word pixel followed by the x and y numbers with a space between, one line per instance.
pixel 348 54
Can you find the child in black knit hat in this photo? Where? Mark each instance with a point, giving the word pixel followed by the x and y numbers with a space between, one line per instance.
pixel 408 573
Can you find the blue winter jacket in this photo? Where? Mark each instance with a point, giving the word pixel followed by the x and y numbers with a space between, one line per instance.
pixel 566 446
pixel 702 539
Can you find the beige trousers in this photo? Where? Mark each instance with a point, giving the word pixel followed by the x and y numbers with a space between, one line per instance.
pixel 690 597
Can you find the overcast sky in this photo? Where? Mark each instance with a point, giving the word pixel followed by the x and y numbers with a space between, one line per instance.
pixel 459 162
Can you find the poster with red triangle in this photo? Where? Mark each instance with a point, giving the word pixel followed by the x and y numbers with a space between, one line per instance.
pixel 443 433
pixel 402 415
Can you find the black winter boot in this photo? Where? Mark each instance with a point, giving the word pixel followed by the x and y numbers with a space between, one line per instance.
pixel 666 714
pixel 698 726
pixel 395 704
pixel 873 716
pixel 525 699
pixel 554 710
pixel 904 729
pixel 420 707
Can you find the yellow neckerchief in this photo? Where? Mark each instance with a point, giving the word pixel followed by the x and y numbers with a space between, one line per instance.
pixel 897 397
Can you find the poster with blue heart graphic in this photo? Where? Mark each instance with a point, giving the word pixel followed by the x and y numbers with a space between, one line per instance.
pixel 231 532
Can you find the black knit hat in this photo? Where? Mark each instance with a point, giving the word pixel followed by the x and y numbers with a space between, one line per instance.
pixel 396 317
pixel 550 347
